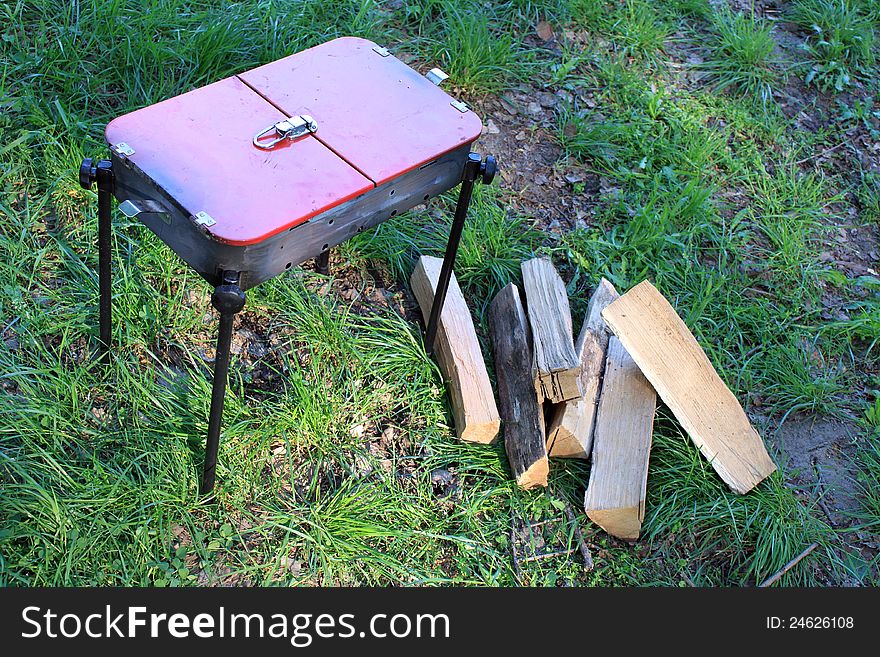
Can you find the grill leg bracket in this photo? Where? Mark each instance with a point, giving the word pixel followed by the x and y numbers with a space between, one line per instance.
pixel 229 300
pixel 474 169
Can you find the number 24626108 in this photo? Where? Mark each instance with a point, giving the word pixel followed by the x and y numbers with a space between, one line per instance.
pixel 810 623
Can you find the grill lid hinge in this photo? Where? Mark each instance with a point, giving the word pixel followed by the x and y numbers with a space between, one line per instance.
pixel 204 219
pixel 123 149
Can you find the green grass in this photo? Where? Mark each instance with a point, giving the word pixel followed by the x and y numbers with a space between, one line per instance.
pixel 638 30
pixel 769 525
pixel 671 222
pixel 742 58
pixel 634 28
pixel 480 54
pixel 332 435
pixel 869 472
pixel 841 41
pixel 692 9
pixel 593 15
pixel 869 197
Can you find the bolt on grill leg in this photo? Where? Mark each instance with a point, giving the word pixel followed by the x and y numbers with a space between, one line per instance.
pixel 322 263
pixel 228 299
pixel 474 168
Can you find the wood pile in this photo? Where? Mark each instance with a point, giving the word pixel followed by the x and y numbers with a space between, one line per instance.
pixel 599 393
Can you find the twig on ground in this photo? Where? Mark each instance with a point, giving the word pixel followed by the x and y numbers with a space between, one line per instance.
pixel 823 490
pixel 582 544
pixel 538 556
pixel 821 153
pixel 548 555
pixel 517 570
pixel 542 523
pixel 791 564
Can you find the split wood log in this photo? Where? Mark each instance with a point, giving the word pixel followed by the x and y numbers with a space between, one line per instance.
pixel 459 355
pixel 670 357
pixel 615 497
pixel 555 367
pixel 522 413
pixel 571 429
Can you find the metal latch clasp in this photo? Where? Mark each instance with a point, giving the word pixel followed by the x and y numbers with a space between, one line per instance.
pixel 291 128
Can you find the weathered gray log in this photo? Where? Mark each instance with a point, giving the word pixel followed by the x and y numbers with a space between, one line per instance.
pixel 521 413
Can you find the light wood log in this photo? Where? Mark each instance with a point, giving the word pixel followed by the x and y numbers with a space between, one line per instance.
pixel 615 497
pixel 459 355
pixel 571 429
pixel 555 367
pixel 678 368
pixel 522 414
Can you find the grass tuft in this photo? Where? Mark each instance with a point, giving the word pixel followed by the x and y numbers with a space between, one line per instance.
pixel 639 31
pixel 869 468
pixel 749 537
pixel 840 41
pixel 480 54
pixel 742 58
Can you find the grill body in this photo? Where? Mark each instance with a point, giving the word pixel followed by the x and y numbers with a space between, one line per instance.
pixel 386 139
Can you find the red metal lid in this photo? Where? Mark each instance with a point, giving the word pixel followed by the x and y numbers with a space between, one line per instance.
pixel 376 117
pixel 198 148
pixel 380 115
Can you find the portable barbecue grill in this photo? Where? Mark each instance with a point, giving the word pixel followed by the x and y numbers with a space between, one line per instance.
pixel 248 176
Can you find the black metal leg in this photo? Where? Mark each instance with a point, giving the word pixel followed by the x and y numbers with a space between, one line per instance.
pixel 102 172
pixel 473 169
pixel 104 175
pixel 228 299
pixel 322 263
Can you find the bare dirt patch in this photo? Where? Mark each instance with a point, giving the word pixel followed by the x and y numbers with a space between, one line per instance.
pixel 538 181
pixel 818 455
